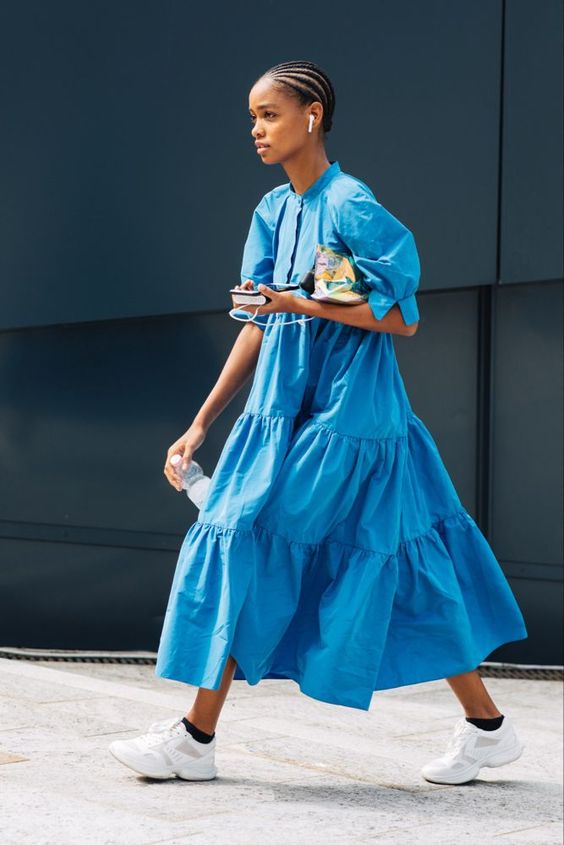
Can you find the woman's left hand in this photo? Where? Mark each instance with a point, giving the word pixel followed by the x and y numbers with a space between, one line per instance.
pixel 282 301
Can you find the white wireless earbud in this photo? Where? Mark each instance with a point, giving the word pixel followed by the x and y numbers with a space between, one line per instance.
pixel 311 119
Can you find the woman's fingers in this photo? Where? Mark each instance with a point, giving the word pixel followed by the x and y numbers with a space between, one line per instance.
pixel 183 448
pixel 186 458
pixel 248 284
pixel 174 472
pixel 169 470
pixel 173 480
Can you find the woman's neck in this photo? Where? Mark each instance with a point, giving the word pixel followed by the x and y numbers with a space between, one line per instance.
pixel 303 172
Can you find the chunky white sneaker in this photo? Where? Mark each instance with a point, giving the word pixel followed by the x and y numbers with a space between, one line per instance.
pixel 470 748
pixel 167 750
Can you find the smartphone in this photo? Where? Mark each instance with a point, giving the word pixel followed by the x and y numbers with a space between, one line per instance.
pixel 249 297
pixel 243 296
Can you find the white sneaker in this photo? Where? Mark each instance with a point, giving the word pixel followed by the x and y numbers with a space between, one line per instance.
pixel 167 750
pixel 470 748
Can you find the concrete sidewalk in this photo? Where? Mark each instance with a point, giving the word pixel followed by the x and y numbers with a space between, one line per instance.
pixel 291 769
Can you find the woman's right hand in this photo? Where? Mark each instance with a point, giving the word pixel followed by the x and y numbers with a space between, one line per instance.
pixel 185 446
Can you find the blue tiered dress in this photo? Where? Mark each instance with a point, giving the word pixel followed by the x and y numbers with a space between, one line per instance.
pixel 333 548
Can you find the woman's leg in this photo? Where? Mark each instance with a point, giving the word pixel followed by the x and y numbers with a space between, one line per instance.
pixel 205 710
pixel 472 694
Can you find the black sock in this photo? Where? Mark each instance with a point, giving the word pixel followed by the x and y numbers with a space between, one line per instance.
pixel 198 735
pixel 487 724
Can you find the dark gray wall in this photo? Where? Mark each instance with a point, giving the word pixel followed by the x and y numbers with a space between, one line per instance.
pixel 129 177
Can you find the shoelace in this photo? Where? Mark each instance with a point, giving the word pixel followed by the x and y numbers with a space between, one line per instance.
pixel 461 731
pixel 157 735
pixel 157 727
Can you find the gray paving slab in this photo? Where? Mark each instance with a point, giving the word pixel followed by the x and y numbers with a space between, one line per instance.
pixel 291 769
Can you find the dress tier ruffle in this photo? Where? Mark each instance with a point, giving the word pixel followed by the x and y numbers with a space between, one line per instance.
pixel 321 556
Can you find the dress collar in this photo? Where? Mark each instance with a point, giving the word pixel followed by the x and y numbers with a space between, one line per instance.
pixel 317 186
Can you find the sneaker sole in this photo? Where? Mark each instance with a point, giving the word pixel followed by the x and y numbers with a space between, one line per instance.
pixel 508 755
pixel 195 773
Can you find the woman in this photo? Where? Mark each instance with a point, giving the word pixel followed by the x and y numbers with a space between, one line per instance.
pixel 332 548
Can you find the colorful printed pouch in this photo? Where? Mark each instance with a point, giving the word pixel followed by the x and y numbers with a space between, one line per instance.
pixel 337 278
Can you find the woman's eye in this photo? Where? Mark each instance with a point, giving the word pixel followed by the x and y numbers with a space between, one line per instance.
pixel 266 114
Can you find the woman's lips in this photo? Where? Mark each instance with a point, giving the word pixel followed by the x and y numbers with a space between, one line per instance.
pixel 262 148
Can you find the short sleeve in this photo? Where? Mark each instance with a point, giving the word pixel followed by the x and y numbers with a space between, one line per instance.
pixel 258 253
pixel 384 251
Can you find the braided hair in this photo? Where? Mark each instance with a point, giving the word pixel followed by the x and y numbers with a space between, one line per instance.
pixel 308 83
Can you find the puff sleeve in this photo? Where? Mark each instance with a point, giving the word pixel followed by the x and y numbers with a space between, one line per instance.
pixel 258 252
pixel 384 251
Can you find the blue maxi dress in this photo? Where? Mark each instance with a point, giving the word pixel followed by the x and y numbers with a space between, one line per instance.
pixel 333 548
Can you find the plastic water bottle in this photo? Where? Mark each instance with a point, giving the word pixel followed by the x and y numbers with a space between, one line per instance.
pixel 193 481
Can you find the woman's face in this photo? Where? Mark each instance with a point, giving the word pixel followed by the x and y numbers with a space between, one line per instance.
pixel 280 123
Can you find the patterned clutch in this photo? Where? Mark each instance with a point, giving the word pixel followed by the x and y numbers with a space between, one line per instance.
pixel 337 278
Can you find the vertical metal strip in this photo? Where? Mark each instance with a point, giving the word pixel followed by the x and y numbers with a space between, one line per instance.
pixel 488 297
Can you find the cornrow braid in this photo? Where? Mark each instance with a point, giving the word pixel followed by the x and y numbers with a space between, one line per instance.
pixel 308 83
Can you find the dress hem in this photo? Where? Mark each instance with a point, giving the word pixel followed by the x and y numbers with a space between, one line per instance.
pixel 172 662
pixel 305 689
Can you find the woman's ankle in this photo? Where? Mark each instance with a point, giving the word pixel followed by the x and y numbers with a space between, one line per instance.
pixel 482 713
pixel 205 725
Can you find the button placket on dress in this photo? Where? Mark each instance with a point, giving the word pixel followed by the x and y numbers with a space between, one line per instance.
pixel 290 254
pixel 299 216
